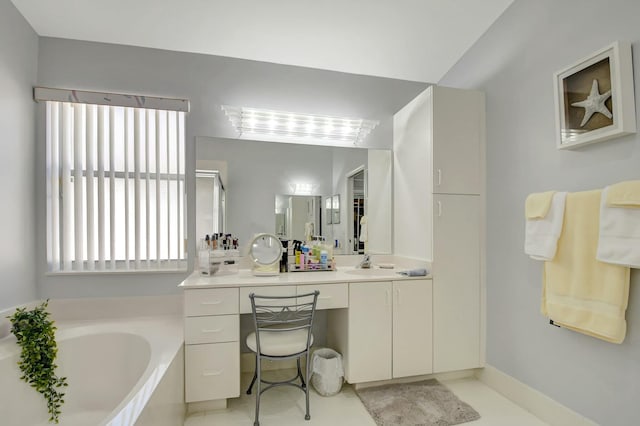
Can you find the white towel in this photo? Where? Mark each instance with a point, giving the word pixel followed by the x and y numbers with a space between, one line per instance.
pixel 364 231
pixel 308 231
pixel 541 235
pixel 619 240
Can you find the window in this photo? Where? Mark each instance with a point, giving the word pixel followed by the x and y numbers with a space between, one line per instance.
pixel 115 188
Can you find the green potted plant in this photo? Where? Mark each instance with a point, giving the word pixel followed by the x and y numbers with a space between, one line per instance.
pixel 35 333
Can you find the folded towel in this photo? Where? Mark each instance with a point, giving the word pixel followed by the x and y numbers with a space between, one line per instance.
pixel 419 272
pixel 619 240
pixel 541 235
pixel 624 194
pixel 537 205
pixel 579 292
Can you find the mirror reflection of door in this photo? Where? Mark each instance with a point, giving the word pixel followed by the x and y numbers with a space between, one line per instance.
pixel 357 188
pixel 298 217
pixel 210 203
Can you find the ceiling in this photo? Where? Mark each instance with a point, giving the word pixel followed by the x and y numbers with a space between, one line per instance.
pixel 417 40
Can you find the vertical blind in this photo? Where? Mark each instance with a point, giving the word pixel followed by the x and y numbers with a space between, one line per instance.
pixel 115 188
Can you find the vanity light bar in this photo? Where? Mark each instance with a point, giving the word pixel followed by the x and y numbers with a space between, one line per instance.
pixel 254 121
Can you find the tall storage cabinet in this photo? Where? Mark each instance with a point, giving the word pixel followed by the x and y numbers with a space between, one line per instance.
pixel 439 144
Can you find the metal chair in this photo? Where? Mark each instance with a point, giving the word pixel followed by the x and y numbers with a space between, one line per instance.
pixel 282 331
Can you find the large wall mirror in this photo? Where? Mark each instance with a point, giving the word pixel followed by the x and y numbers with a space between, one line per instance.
pixel 298 191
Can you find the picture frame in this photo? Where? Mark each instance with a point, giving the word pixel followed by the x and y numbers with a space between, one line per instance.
pixel 594 98
pixel 335 208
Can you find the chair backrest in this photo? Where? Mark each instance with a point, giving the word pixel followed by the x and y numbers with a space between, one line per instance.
pixel 282 314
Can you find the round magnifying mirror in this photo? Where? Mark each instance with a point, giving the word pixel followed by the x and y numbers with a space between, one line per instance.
pixel 265 252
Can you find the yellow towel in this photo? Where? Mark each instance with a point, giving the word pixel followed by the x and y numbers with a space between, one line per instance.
pixel 624 194
pixel 579 292
pixel 537 205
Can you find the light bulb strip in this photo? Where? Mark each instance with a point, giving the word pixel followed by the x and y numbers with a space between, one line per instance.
pixel 294 125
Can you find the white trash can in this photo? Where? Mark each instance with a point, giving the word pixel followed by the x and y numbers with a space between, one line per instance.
pixel 327 371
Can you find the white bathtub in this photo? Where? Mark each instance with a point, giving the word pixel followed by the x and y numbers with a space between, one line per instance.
pixel 113 368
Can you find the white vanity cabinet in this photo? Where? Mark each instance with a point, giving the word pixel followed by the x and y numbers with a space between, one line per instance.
pixel 212 344
pixel 386 332
pixel 212 331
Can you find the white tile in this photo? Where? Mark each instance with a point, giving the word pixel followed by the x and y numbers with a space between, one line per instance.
pixel 494 409
pixel 285 406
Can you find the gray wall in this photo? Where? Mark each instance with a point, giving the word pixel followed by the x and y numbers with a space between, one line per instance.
pixel 208 81
pixel 514 63
pixel 18 72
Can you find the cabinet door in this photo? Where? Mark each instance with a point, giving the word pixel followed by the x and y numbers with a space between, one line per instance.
pixel 212 371
pixel 457 132
pixel 369 332
pixel 456 282
pixel 412 328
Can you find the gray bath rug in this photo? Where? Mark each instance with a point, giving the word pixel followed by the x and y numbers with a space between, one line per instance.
pixel 425 403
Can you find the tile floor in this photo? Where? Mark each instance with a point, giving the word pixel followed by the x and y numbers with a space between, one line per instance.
pixel 284 406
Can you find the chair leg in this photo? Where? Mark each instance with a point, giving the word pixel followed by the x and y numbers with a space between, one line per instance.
pixel 304 385
pixel 258 386
pixel 306 389
pixel 255 375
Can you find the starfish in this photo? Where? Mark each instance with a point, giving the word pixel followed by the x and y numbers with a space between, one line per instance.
pixel 594 103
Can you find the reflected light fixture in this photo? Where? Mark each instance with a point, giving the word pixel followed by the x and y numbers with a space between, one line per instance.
pixel 255 122
pixel 302 188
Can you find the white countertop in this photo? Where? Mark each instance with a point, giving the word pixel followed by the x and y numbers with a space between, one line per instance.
pixel 244 278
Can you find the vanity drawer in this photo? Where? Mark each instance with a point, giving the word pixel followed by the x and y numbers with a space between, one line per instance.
pixel 210 301
pixel 211 329
pixel 212 371
pixel 332 296
pixel 281 290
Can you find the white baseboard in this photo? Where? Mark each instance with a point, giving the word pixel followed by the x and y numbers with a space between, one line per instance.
pixel 451 375
pixel 202 406
pixel 535 402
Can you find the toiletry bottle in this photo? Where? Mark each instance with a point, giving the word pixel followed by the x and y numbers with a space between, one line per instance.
pixel 284 267
pixel 323 257
pixel 304 257
pixel 214 242
pixel 206 239
pixel 297 252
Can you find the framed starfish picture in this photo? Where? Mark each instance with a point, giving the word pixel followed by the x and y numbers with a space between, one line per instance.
pixel 595 98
